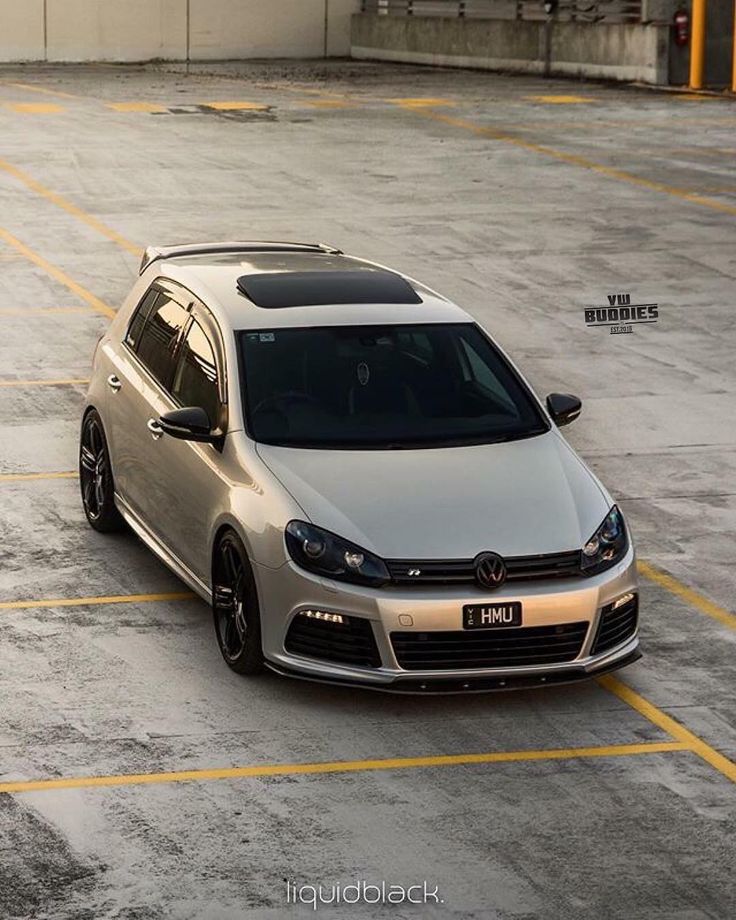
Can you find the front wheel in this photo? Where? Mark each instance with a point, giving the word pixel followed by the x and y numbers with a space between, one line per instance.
pixel 235 607
pixel 95 477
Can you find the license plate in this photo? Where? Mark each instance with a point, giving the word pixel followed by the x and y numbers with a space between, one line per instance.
pixel 492 616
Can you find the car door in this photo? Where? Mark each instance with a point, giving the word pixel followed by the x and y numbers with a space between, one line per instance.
pixel 143 368
pixel 186 476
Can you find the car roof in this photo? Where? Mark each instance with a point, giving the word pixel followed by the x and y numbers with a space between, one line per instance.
pixel 222 278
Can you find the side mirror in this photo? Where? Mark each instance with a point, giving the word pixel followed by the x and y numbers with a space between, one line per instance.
pixel 563 408
pixel 189 424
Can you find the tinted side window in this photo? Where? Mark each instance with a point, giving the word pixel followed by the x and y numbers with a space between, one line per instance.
pixel 139 319
pixel 195 383
pixel 157 345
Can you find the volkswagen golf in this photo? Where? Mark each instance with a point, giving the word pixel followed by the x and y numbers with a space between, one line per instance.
pixel 354 475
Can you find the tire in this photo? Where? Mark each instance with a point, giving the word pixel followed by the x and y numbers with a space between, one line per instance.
pixel 95 477
pixel 235 609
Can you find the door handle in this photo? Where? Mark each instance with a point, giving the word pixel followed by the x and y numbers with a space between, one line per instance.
pixel 155 429
pixel 114 383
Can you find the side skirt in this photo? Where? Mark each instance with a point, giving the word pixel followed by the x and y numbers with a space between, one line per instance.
pixel 164 554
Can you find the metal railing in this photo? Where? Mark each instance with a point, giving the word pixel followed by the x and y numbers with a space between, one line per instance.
pixel 604 11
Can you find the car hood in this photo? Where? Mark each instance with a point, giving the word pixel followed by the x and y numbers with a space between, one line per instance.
pixel 517 498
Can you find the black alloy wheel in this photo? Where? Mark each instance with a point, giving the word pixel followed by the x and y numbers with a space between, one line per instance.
pixel 95 477
pixel 235 607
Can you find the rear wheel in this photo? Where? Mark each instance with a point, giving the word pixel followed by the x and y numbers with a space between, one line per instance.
pixel 235 607
pixel 95 477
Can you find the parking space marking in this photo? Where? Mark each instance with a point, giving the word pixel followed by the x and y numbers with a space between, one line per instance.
pixel 57 274
pixel 136 107
pixel 97 601
pixel 35 108
pixel 673 728
pixel 71 382
pixel 70 208
pixel 22 477
pixel 236 106
pixel 671 584
pixel 560 100
pixel 42 89
pixel 35 311
pixel 421 102
pixel 340 766
pixel 328 104
pixel 573 159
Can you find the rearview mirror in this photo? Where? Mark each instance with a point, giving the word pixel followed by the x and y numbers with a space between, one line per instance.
pixel 563 407
pixel 189 424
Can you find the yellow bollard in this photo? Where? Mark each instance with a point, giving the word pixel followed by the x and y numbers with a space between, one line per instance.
pixel 697 45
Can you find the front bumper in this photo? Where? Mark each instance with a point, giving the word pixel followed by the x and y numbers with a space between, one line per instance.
pixel 285 592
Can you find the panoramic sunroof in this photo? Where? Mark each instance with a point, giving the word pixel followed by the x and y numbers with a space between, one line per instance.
pixel 309 289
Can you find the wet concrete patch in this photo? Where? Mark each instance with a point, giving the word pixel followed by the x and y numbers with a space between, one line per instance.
pixel 264 114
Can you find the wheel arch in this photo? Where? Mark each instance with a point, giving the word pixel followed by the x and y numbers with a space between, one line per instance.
pixel 222 526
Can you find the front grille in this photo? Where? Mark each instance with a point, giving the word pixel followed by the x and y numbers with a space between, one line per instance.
pixel 616 626
pixel 488 648
pixel 462 571
pixel 351 642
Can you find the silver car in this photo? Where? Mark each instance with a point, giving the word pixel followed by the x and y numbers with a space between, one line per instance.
pixel 354 475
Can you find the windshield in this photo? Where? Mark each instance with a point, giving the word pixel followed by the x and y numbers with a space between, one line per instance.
pixel 382 387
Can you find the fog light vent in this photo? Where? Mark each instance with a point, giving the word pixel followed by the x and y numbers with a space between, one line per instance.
pixel 618 623
pixel 334 637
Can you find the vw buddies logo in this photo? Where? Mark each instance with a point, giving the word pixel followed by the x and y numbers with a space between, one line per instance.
pixel 621 315
pixel 490 570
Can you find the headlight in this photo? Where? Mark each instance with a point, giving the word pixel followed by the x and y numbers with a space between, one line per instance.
pixel 323 553
pixel 607 546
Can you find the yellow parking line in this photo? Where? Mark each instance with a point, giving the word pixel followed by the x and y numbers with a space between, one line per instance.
pixel 96 601
pixel 328 104
pixel 34 311
pixel 560 100
pixel 57 274
pixel 236 106
pixel 574 160
pixel 42 89
pixel 22 477
pixel 339 766
pixel 72 382
pixel 35 108
pixel 136 107
pixel 70 208
pixel 671 584
pixel 419 102
pixel 671 726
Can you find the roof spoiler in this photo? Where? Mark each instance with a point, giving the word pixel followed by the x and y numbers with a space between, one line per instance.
pixel 156 253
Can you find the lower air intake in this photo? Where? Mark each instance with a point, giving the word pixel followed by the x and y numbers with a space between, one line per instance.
pixel 489 648
pixel 616 625
pixel 350 642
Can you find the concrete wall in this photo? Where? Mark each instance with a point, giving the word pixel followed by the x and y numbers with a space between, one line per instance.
pixel 287 28
pixel 21 30
pixel 133 30
pixel 140 30
pixel 619 52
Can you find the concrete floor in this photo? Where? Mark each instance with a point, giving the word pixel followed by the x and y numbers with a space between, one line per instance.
pixel 524 206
